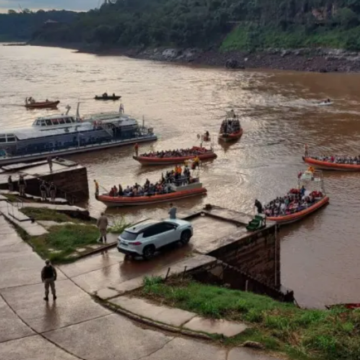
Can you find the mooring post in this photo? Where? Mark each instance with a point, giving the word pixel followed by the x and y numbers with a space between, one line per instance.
pixel 167 274
pixel 185 267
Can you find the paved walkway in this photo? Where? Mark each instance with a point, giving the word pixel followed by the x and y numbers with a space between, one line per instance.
pixel 178 318
pixel 75 327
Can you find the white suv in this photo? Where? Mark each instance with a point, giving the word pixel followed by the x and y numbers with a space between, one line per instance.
pixel 145 239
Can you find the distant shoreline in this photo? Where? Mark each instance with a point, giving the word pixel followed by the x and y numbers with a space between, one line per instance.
pixel 306 60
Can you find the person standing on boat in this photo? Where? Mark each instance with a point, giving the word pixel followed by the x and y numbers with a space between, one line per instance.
pixel 172 211
pixel 52 191
pixel 22 185
pixel 10 183
pixel 43 191
pixel 49 160
pixel 306 151
pixel 258 206
pixel 136 147
pixel 102 225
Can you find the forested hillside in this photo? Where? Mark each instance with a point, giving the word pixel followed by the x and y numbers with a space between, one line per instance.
pixel 225 24
pixel 19 26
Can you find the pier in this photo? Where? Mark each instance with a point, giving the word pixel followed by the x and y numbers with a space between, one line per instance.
pixel 69 178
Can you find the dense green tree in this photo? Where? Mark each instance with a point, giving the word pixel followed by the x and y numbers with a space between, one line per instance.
pixel 198 23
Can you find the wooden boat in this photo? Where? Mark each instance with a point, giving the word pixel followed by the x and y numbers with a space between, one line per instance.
pixel 178 193
pixel 108 97
pixel 230 129
pixel 310 175
pixel 349 306
pixel 42 105
pixel 328 165
pixel 200 152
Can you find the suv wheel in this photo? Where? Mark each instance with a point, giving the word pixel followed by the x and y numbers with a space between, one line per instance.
pixel 185 237
pixel 148 252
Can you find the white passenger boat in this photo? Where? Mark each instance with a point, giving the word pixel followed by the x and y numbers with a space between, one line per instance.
pixel 59 135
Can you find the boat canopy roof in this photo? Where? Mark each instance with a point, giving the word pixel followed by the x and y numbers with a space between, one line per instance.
pixel 55 120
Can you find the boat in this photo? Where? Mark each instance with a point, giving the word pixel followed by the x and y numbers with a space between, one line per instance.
pixel 106 97
pixel 30 103
pixel 349 306
pixel 171 191
pixel 325 103
pixel 65 134
pixel 329 164
pixel 175 156
pixel 230 129
pixel 311 184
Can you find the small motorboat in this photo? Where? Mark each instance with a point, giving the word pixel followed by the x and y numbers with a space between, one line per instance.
pixel 349 306
pixel 106 97
pixel 230 129
pixel 330 164
pixel 30 103
pixel 325 103
pixel 301 202
pixel 206 137
pixel 176 157
pixel 171 189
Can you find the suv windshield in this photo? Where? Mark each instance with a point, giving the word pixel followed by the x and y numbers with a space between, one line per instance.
pixel 126 235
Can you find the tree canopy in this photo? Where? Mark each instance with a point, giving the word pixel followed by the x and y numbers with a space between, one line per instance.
pixel 208 23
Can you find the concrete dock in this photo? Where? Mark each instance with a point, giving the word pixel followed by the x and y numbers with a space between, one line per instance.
pixel 69 178
pixel 75 327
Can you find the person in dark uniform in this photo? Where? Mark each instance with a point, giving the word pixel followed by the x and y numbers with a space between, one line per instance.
pixel 10 183
pixel 43 191
pixel 52 190
pixel 22 185
pixel 48 277
pixel 258 206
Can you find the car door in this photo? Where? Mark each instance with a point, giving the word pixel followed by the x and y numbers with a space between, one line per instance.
pixel 167 234
pixel 151 236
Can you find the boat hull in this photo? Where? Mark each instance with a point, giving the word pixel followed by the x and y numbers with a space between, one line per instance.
pixel 123 201
pixel 349 306
pixel 289 219
pixel 231 137
pixel 43 105
pixel 143 160
pixel 325 165
pixel 113 98
pixel 74 150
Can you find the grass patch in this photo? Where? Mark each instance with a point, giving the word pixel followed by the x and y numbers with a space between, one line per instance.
pixel 51 215
pixel 300 333
pixel 118 226
pixel 65 239
pixel 11 197
pixel 248 36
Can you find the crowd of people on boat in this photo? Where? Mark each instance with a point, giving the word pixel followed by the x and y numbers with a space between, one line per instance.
pixel 194 151
pixel 351 160
pixel 296 200
pixel 179 176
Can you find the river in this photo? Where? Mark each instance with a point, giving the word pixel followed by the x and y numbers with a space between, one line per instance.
pixel 320 255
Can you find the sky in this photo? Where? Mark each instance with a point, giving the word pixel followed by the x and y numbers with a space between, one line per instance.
pixel 5 5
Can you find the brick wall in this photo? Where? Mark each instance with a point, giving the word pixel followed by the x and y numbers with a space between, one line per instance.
pixel 257 255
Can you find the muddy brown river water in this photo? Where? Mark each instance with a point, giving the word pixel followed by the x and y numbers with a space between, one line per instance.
pixel 320 255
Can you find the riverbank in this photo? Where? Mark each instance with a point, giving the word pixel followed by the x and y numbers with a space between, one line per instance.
pixel 310 60
pixel 300 333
